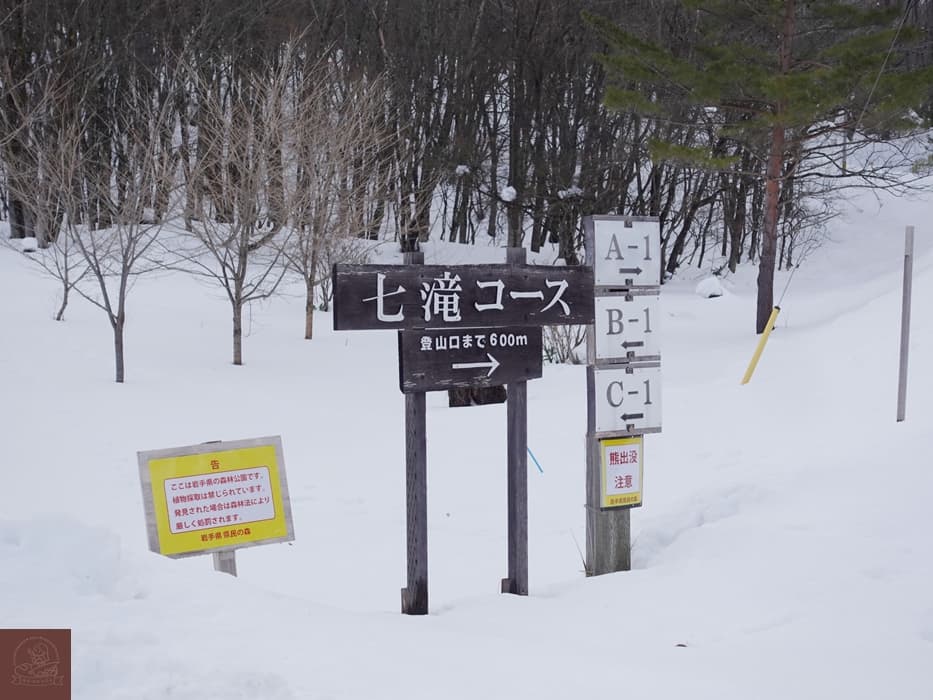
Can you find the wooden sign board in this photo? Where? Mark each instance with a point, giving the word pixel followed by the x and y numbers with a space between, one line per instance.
pixel 441 359
pixel 368 297
pixel 627 328
pixel 625 252
pixel 626 400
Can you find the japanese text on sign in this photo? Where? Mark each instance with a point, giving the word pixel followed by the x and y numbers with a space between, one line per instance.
pixel 483 296
pixel 242 496
pixel 218 495
pixel 441 298
pixel 621 472
pixel 467 341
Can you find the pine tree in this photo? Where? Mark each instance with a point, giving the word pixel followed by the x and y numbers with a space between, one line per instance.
pixel 794 76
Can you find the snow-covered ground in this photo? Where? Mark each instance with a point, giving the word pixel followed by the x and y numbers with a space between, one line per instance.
pixel 783 551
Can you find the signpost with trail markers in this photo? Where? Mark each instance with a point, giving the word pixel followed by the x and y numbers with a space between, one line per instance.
pixel 463 326
pixel 623 380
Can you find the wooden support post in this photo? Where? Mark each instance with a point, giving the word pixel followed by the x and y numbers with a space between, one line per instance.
pixel 415 593
pixel 517 473
pixel 225 562
pixel 608 532
pixel 905 323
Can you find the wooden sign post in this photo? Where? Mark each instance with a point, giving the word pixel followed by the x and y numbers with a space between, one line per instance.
pixel 517 473
pixel 415 593
pixel 463 326
pixel 623 380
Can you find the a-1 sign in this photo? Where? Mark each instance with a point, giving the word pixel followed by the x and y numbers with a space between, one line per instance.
pixel 626 251
pixel 399 297
pixel 440 359
pixel 626 400
pixel 627 327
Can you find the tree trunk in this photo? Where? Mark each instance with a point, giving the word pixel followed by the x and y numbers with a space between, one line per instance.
pixel 769 232
pixel 118 325
pixel 309 302
pixel 773 188
pixel 66 287
pixel 17 218
pixel 237 332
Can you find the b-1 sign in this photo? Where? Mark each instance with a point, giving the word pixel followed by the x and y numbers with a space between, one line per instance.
pixel 441 359
pixel 627 400
pixel 626 327
pixel 624 252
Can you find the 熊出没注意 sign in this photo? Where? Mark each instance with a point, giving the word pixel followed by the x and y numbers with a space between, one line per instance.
pixel 621 472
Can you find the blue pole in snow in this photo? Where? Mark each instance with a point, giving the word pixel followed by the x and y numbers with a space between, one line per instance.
pixel 535 460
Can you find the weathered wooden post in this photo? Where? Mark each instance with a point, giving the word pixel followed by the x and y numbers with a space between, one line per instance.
pixel 463 326
pixel 517 472
pixel 225 562
pixel 415 593
pixel 623 380
pixel 905 323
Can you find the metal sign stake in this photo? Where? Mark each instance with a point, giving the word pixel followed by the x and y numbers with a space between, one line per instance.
pixel 905 324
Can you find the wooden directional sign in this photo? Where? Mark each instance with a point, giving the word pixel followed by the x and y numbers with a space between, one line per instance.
pixel 625 252
pixel 626 328
pixel 441 359
pixel 627 400
pixel 460 296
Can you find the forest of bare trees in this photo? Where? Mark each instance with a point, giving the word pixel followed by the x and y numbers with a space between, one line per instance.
pixel 269 129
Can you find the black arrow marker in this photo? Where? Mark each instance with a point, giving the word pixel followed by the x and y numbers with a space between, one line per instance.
pixel 630 416
pixel 633 344
pixel 633 270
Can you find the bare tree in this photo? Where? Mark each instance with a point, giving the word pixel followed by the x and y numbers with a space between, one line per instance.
pixel 240 219
pixel 101 263
pixel 341 179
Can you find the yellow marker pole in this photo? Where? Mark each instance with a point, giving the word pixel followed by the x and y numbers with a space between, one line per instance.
pixel 761 345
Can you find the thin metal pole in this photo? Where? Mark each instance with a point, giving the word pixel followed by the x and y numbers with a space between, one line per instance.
pixel 905 323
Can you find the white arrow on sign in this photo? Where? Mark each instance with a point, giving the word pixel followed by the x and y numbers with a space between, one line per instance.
pixel 492 364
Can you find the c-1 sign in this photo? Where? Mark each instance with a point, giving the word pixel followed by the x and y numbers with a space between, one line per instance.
pixel 626 400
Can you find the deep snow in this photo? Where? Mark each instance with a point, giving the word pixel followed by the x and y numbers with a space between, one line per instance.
pixel 783 550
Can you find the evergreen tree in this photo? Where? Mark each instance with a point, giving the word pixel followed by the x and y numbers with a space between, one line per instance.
pixel 795 81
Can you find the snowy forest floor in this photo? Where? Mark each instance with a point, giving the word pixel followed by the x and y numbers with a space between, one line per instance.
pixel 783 550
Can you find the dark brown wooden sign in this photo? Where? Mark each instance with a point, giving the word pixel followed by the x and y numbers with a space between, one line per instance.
pixel 368 297
pixel 441 359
